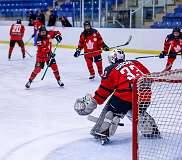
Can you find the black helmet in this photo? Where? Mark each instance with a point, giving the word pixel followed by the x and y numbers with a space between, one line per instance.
pixel 87 23
pixel 18 21
pixel 43 31
pixel 176 29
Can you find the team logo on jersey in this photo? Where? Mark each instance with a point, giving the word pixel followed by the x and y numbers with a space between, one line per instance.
pixel 90 44
pixel 177 48
pixel 95 39
pixel 94 35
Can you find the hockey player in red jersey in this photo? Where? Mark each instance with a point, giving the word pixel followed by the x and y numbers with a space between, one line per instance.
pixel 172 47
pixel 117 82
pixel 45 54
pixel 92 43
pixel 16 36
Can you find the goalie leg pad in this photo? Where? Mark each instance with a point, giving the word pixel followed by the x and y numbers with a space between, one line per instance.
pixel 147 125
pixel 98 124
pixel 114 125
pixel 107 123
pixel 108 118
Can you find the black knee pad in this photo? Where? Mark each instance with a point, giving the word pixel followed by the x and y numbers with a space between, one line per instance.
pixel 39 64
pixel 97 58
pixel 53 61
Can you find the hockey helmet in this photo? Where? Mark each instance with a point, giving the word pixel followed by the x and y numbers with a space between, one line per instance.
pixel 176 29
pixel 43 31
pixel 18 21
pixel 87 25
pixel 176 32
pixel 117 55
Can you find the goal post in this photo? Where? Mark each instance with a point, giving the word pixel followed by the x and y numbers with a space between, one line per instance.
pixel 157 116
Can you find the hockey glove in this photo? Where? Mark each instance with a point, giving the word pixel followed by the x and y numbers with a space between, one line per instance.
pixel 85 105
pixel 52 55
pixel 162 55
pixel 105 47
pixel 77 53
pixel 58 38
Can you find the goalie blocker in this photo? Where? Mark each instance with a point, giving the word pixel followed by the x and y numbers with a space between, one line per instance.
pixel 117 81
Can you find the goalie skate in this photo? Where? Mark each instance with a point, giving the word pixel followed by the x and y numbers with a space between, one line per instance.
pixel 101 137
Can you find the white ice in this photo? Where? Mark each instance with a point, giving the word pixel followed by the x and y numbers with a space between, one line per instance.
pixel 41 124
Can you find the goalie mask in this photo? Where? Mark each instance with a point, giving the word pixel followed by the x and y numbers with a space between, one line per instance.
pixel 117 55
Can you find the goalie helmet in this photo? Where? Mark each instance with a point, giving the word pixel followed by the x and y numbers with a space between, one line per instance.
pixel 117 55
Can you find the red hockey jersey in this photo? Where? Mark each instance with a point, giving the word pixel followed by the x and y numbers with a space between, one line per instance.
pixel 118 79
pixel 17 32
pixel 172 45
pixel 92 42
pixel 44 46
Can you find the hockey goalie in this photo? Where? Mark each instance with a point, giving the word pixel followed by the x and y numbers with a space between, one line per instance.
pixel 117 82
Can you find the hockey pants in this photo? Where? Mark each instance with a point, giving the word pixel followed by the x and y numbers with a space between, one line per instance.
pixel 40 65
pixel 12 44
pixel 98 62
pixel 169 64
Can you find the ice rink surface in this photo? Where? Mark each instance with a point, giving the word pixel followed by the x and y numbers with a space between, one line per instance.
pixel 40 123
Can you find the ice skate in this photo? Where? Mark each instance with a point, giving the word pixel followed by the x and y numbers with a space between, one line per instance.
pixel 102 138
pixel 61 84
pixel 27 85
pixel 92 77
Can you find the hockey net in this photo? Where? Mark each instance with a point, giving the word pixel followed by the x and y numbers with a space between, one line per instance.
pixel 162 93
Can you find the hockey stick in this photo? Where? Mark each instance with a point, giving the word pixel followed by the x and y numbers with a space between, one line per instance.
pixel 126 43
pixel 49 63
pixel 28 40
pixel 95 119
pixel 29 54
pixel 156 55
pixel 146 57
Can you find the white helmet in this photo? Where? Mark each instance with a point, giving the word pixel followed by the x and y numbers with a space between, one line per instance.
pixel 115 56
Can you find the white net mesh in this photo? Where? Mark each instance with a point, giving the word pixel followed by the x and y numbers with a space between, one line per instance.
pixel 161 94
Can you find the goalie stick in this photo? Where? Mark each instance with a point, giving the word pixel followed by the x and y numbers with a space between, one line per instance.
pixel 126 43
pixel 95 119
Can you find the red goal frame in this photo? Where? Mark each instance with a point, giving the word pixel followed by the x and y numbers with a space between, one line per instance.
pixel 154 77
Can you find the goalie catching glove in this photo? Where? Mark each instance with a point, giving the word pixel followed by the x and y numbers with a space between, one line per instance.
pixel 85 105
